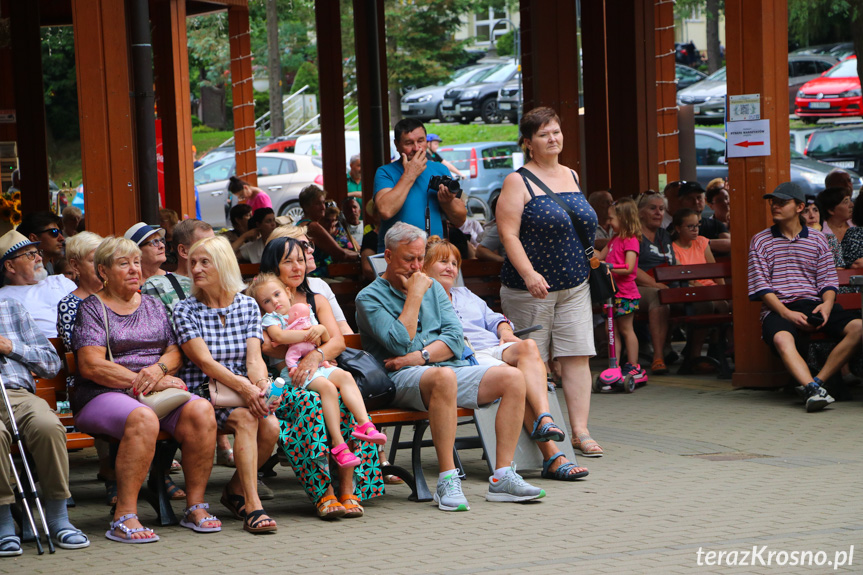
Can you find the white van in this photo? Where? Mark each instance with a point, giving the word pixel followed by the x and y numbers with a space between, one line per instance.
pixel 310 145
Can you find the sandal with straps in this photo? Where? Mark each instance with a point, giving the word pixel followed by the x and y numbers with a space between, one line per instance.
pixel 344 457
pixel 329 508
pixel 234 503
pixel 352 506
pixel 547 431
pixel 368 432
pixel 127 533
pixel 197 526
pixel 587 445
pixel 10 546
pixel 255 518
pixel 562 473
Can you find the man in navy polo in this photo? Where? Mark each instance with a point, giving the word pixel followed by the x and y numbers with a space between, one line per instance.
pixel 791 271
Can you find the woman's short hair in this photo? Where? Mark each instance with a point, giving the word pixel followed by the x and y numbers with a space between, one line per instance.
pixel 261 279
pixel 309 194
pixel 646 198
pixel 830 198
pixel 532 122
pixel 235 184
pixel 225 262
pixel 79 245
pixel 112 248
pixel 239 211
pixel 169 215
pixel 439 249
pixel 715 183
pixel 402 232
pixel 275 251
pixel 288 231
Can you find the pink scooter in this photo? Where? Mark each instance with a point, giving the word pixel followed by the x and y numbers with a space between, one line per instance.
pixel 613 378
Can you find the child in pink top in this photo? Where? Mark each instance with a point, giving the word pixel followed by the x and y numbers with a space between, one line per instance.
pixel 689 247
pixel 622 252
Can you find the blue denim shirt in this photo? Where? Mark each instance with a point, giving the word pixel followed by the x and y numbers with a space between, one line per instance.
pixel 478 320
pixel 378 308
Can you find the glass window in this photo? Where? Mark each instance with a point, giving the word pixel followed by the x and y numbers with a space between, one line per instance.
pixel 498 157
pixel 459 158
pixel 482 33
pixel 845 142
pixel 846 69
pixel 289 167
pixel 217 171
pixel 708 150
pixel 269 166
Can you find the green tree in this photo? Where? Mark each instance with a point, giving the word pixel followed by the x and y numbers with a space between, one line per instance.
pixel 307 74
pixel 60 83
pixel 712 10
pixel 816 21
pixel 506 44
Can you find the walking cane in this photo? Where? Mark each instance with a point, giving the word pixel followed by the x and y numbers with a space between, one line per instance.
pixel 26 491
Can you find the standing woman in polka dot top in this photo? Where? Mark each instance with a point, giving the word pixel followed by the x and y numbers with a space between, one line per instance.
pixel 545 272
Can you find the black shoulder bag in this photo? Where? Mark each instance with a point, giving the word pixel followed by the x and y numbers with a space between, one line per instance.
pixel 601 281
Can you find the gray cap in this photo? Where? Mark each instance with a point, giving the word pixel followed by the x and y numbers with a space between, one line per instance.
pixel 788 191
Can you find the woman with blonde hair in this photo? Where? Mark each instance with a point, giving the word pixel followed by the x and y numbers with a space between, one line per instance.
pixel 219 330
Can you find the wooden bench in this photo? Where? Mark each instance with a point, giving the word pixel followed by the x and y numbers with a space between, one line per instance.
pixel 154 490
pixel 689 295
pixel 848 301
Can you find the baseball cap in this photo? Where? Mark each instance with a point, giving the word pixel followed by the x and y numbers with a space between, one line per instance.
pixel 11 242
pixel 787 191
pixel 687 188
pixel 433 138
pixel 141 231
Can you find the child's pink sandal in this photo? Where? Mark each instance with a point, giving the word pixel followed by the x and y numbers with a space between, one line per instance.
pixel 345 457
pixel 368 432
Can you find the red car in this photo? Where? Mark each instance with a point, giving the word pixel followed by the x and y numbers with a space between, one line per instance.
pixel 835 93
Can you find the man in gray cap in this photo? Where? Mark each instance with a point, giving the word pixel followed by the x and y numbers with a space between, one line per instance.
pixel 791 271
pixel 24 278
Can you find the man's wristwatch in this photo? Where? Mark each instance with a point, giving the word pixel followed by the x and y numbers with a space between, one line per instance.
pixel 426 356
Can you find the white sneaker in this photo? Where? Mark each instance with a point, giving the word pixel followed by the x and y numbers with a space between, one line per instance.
pixel 449 496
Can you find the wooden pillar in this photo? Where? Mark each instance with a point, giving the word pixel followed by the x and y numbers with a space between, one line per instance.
pixel 328 18
pixel 30 105
pixel 370 30
pixel 241 89
pixel 666 92
pixel 104 109
pixel 595 74
pixel 757 56
pixel 8 131
pixel 632 98
pixel 549 51
pixel 171 63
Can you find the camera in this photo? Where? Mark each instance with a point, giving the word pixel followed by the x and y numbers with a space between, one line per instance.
pixel 447 181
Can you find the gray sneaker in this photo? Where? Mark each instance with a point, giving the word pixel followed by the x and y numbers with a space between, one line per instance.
pixel 449 496
pixel 818 400
pixel 512 488
pixel 264 492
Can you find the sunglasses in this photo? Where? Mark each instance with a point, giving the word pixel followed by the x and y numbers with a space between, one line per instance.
pixel 31 255
pixel 54 232
pixel 647 194
pixel 307 246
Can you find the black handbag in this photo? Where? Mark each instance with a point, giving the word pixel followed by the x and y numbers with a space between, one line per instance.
pixel 600 280
pixel 376 387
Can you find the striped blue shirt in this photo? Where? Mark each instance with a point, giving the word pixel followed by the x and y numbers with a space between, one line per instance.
pixel 793 269
pixel 31 350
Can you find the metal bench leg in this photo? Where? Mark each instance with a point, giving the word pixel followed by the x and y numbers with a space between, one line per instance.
pixel 421 492
pixel 394 443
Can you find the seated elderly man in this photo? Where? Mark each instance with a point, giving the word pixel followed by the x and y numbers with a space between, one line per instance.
pixel 23 349
pixel 25 279
pixel 407 322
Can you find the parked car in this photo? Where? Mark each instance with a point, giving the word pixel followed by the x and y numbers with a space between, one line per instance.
pixel 281 175
pixel 839 51
pixel 216 154
pixel 424 104
pixel 711 163
pixel 479 99
pixel 486 164
pixel 310 145
pixel 836 93
pixel 687 76
pixel 840 147
pixel 708 96
pixel 508 103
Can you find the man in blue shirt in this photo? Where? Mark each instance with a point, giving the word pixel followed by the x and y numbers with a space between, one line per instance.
pixel 402 187
pixel 408 323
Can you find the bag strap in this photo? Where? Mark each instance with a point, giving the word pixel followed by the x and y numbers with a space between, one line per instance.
pixel 177 287
pixel 588 246
pixel 107 337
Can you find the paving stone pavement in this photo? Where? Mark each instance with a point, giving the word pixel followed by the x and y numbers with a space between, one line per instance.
pixel 690 465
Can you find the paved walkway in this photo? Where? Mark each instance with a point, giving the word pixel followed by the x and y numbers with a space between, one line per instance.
pixel 690 466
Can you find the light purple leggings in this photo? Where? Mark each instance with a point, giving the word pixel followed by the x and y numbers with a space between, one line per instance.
pixel 106 414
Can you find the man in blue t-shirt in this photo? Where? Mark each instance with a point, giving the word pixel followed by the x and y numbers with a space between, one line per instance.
pixel 402 187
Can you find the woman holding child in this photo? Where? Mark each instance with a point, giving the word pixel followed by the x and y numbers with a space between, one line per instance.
pixel 304 434
pixel 219 330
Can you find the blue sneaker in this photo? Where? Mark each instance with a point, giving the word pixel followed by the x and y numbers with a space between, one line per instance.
pixel 449 496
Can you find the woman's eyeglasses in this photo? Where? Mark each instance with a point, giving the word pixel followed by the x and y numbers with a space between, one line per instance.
pixel 53 232
pixel 31 255
pixel 155 243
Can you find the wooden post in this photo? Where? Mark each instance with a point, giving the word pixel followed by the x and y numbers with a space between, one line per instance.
pixel 171 62
pixel 29 105
pixel 241 88
pixel 595 74
pixel 327 17
pixel 104 108
pixel 757 56
pixel 550 66
pixel 668 154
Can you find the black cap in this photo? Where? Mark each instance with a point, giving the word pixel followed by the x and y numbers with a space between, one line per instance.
pixel 788 191
pixel 687 188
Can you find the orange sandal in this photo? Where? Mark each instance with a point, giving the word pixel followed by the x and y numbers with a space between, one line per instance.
pixel 587 445
pixel 658 367
pixel 352 506
pixel 329 508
